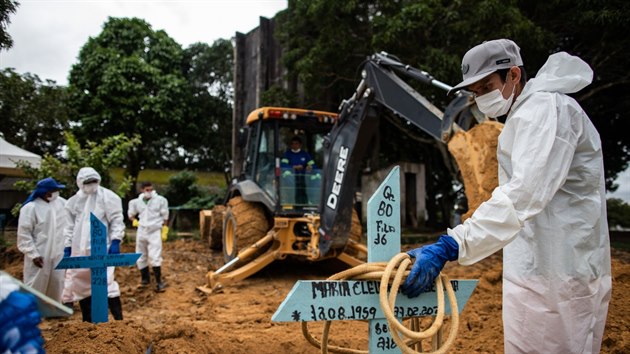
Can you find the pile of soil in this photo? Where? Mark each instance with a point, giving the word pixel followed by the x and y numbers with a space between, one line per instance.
pixel 475 152
pixel 238 320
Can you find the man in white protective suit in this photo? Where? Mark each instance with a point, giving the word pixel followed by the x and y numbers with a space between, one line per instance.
pixel 40 237
pixel 107 207
pixel 150 213
pixel 548 213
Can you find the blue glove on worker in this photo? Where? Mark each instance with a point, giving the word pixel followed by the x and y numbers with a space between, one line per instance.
pixel 18 324
pixel 67 251
pixel 114 248
pixel 430 260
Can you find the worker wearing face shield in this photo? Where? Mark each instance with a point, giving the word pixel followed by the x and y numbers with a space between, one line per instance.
pixel 107 207
pixel 548 213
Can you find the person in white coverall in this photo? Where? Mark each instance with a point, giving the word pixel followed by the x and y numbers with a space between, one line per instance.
pixel 107 207
pixel 548 213
pixel 152 211
pixel 40 237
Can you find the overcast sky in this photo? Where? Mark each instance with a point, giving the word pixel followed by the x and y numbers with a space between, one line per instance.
pixel 48 34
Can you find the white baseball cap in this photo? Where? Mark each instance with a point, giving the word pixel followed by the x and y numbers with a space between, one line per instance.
pixel 486 58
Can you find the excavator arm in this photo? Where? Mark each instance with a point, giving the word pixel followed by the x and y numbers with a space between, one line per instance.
pixel 381 91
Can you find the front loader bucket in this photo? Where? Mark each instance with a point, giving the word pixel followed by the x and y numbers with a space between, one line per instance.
pixel 476 154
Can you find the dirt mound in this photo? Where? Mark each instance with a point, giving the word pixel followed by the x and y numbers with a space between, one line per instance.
pixel 82 337
pixel 12 261
pixel 238 320
pixel 475 153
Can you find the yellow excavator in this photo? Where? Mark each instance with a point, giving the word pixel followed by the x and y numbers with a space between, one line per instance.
pixel 271 213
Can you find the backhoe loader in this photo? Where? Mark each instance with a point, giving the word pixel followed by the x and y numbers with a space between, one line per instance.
pixel 262 221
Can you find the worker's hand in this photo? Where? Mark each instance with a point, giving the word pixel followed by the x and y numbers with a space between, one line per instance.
pixel 114 248
pixel 316 177
pixel 38 261
pixel 286 173
pixel 430 260
pixel 164 233
pixel 298 167
pixel 67 251
pixel 135 223
pixel 18 324
pixel 309 168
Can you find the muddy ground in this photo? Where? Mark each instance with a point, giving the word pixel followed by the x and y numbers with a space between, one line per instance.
pixel 238 320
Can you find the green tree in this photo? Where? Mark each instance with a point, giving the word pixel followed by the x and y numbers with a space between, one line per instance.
pixel 7 7
pixel 129 80
pixel 182 187
pixel 324 43
pixel 102 156
pixel 618 213
pixel 34 113
pixel 206 132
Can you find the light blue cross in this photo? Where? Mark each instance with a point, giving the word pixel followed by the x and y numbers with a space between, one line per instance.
pixel 98 261
pixel 359 299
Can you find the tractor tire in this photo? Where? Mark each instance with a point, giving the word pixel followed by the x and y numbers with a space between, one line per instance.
pixel 244 223
pixel 215 234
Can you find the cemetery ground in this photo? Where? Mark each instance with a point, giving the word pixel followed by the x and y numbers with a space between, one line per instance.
pixel 238 320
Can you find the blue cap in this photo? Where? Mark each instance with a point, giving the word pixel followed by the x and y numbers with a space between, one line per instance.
pixel 42 187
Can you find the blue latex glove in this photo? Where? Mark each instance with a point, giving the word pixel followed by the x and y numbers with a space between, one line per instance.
pixel 18 324
pixel 114 248
pixel 430 260
pixel 67 251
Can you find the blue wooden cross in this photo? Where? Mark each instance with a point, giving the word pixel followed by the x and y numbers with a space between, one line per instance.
pixel 359 299
pixel 98 261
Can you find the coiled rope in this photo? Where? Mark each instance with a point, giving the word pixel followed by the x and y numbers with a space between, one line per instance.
pixel 394 273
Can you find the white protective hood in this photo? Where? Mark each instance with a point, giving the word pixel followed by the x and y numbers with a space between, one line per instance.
pixel 561 73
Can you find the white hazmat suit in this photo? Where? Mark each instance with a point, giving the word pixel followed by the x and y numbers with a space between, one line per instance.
pixel 152 214
pixel 107 207
pixel 40 234
pixel 549 216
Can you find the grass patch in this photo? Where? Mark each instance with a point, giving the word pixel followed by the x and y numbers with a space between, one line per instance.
pixel 161 177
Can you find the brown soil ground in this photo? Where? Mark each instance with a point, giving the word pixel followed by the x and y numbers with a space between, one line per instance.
pixel 238 320
pixel 476 154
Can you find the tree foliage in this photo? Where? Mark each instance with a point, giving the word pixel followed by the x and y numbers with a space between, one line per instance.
pixel 182 187
pixel 206 133
pixel 618 213
pixel 134 80
pixel 34 114
pixel 129 80
pixel 7 7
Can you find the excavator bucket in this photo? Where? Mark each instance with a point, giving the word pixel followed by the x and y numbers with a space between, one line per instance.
pixel 475 152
